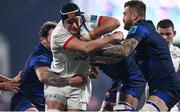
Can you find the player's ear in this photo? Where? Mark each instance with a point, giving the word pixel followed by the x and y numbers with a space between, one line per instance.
pixel 42 40
pixel 174 33
pixel 134 15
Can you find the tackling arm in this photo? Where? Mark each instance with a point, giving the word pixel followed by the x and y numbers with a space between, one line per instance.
pixel 89 46
pixel 116 52
pixel 50 78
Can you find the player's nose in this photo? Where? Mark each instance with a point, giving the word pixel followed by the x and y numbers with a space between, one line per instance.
pixel 74 25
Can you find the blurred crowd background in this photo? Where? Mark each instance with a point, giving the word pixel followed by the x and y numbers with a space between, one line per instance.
pixel 20 21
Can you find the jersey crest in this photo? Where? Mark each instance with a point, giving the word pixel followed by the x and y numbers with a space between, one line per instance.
pixel 133 30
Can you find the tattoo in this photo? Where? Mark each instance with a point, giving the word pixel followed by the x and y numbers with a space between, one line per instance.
pixel 53 79
pixel 119 51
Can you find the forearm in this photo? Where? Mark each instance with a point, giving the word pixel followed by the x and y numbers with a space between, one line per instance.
pixel 102 57
pixel 53 79
pixel 98 43
pixel 121 50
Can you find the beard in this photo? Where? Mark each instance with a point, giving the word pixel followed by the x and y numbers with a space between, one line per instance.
pixel 127 26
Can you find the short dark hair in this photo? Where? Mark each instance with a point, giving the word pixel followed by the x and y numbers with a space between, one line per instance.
pixel 165 23
pixel 44 30
pixel 139 6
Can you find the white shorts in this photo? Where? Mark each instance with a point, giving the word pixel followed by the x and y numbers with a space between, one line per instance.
pixel 74 97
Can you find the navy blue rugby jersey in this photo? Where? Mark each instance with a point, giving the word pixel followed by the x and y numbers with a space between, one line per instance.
pixel 30 84
pixel 121 70
pixel 152 53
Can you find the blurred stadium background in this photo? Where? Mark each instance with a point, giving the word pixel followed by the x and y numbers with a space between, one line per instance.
pixel 20 21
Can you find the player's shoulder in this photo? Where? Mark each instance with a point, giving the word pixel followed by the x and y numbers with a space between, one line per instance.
pixel 176 50
pixel 38 58
pixel 91 18
pixel 59 30
pixel 138 28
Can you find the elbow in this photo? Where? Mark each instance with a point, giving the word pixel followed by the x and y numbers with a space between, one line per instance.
pixel 42 79
pixel 88 48
pixel 115 24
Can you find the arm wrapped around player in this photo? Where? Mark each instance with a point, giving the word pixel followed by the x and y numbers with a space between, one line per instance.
pixel 54 79
pixel 100 56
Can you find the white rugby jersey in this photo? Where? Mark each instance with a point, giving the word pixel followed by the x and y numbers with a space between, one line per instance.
pixel 67 62
pixel 175 55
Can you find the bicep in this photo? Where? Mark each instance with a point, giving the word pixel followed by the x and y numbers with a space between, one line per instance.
pixel 130 44
pixel 107 19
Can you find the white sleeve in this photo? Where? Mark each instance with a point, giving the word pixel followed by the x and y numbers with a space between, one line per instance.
pixel 60 36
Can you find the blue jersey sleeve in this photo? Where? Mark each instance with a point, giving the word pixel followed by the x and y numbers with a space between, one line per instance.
pixel 39 61
pixel 138 32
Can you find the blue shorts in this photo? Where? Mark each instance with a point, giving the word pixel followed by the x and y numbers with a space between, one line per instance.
pixel 133 84
pixel 19 102
pixel 168 90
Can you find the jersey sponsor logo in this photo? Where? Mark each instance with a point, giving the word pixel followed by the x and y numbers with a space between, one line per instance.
pixel 93 19
pixel 133 30
pixel 92 26
pixel 83 102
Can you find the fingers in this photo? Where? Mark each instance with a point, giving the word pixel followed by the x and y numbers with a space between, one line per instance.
pixel 94 72
pixel 11 86
pixel 13 81
pixel 94 69
pixel 18 77
pixel 14 88
pixel 118 35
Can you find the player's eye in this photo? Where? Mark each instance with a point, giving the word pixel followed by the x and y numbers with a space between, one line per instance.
pixel 167 34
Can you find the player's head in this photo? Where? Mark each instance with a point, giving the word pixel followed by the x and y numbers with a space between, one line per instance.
pixel 165 28
pixel 45 33
pixel 71 17
pixel 133 11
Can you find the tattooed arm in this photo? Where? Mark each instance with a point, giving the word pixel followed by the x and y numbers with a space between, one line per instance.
pixel 116 52
pixel 50 78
